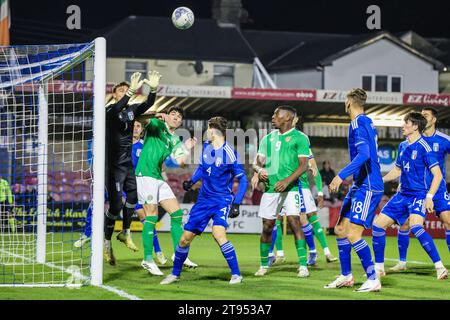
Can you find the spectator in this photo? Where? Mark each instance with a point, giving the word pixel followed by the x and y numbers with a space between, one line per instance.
pixel 327 173
pixel 192 195
pixel 257 193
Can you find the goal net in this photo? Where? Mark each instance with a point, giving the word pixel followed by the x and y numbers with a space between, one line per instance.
pixel 52 112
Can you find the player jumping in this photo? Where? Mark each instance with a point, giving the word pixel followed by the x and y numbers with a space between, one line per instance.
pixel 119 167
pixel 440 144
pixel 219 166
pixel 159 143
pixel 358 208
pixel 415 163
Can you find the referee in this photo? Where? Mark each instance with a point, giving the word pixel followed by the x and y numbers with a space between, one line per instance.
pixel 120 177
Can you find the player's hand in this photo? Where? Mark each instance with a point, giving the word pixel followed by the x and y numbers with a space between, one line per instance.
pixel 334 185
pixel 190 143
pixel 153 80
pixel 161 116
pixel 429 205
pixel 281 185
pixel 254 181
pixel 187 185
pixel 135 82
pixel 263 175
pixel 320 202
pixel 234 211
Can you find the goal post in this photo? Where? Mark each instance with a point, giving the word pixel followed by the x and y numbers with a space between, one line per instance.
pixel 52 106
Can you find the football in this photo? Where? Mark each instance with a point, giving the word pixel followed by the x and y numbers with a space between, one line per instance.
pixel 183 18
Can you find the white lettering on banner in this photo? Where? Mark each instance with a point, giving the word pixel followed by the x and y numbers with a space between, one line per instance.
pixel 372 97
pixel 247 222
pixel 427 99
pixel 195 91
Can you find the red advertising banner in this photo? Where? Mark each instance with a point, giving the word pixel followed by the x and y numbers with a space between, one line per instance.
pixel 426 99
pixel 274 94
pixel 433 225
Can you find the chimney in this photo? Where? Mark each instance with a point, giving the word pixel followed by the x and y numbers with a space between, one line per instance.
pixel 228 12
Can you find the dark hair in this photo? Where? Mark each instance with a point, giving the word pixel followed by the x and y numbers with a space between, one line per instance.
pixel 434 112
pixel 121 84
pixel 219 123
pixel 288 108
pixel 417 119
pixel 176 108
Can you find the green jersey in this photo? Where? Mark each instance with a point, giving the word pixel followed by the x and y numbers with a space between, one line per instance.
pixel 281 153
pixel 159 143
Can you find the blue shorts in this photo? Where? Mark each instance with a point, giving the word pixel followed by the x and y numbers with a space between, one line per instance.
pixel 441 202
pixel 359 206
pixel 400 206
pixel 203 211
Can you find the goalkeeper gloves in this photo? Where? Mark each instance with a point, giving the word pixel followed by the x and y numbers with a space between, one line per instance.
pixel 234 210
pixel 153 80
pixel 187 185
pixel 135 84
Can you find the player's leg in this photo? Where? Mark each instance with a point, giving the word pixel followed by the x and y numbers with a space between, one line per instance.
pixel 170 204
pixel 226 247
pixel 395 210
pixel 307 204
pixel 320 235
pixel 268 210
pixel 160 257
pixel 147 191
pixel 279 241
pixel 181 254
pixel 416 221
pixel 272 245
pixel 116 176
pixel 130 189
pixel 403 244
pixel 363 208
pixel 86 236
pixel 442 209
pixel 345 279
pixel 198 220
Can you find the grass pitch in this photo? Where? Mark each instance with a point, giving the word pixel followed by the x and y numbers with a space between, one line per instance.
pixel 210 280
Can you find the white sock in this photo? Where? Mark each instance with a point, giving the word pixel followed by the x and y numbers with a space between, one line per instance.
pixel 326 251
pixel 313 251
pixel 379 266
pixel 439 265
pixel 271 254
pixel 280 253
pixel 127 232
pixel 108 243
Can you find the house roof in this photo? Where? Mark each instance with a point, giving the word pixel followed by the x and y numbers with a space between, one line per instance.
pixel 309 50
pixel 156 37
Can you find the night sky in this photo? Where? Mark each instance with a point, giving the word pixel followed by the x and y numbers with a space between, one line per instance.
pixel 428 18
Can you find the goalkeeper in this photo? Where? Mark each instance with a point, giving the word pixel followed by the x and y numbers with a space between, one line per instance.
pixel 120 117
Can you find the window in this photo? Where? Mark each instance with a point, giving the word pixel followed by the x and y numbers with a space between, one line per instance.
pixel 396 84
pixel 381 83
pixel 223 75
pixel 367 83
pixel 135 66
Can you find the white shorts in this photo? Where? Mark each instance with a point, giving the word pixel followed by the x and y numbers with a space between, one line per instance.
pixel 152 191
pixel 310 204
pixel 272 204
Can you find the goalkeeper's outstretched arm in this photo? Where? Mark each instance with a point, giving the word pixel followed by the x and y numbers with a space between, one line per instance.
pixel 152 82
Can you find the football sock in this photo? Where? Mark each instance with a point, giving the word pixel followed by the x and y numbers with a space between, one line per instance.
pixel 300 245
pixel 156 245
pixel 264 249
pixel 309 237
pixel 279 237
pixel 180 256
pixel 378 243
pixel 127 217
pixel 426 241
pixel 230 255
pixel 109 226
pixel 403 244
pixel 319 233
pixel 363 250
pixel 274 239
pixel 88 226
pixel 147 237
pixel 447 238
pixel 345 260
pixel 176 228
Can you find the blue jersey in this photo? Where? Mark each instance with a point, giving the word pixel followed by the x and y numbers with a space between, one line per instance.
pixel 362 148
pixel 217 169
pixel 440 144
pixel 136 152
pixel 415 160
